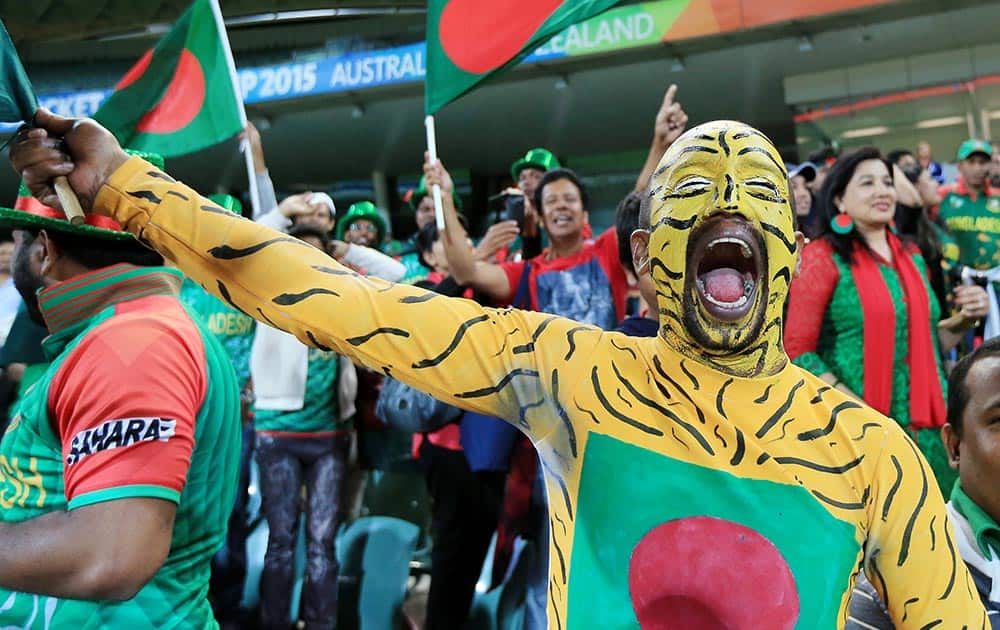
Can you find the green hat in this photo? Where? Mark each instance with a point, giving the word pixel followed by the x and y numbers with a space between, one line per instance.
pixel 542 159
pixel 228 202
pixel 30 214
pixel 969 147
pixel 421 191
pixel 362 210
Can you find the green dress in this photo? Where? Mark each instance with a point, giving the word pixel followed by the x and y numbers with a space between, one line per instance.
pixel 839 348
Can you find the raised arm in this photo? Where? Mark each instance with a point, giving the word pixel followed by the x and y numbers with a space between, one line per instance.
pixel 374 262
pixel 668 125
pixel 465 268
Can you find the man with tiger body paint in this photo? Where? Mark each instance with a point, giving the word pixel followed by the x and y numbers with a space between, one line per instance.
pixel 697 479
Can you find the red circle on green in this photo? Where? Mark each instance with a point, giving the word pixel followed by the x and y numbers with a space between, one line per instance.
pixel 481 36
pixel 183 99
pixel 706 573
pixel 843 220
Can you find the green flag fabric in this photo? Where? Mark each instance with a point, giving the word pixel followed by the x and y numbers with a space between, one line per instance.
pixel 17 99
pixel 179 97
pixel 469 41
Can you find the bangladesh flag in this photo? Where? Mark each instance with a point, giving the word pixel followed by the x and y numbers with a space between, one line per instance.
pixel 179 97
pixel 17 99
pixel 469 40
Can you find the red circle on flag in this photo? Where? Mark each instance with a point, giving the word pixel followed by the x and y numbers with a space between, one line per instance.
pixel 479 36
pixel 705 573
pixel 135 71
pixel 183 99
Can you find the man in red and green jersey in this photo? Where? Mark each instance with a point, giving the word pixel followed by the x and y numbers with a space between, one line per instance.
pixel 970 208
pixel 119 468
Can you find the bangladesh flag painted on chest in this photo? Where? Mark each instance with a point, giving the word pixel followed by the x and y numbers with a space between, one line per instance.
pixel 471 40
pixel 662 544
pixel 179 97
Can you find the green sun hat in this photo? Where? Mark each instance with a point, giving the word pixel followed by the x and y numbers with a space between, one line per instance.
pixel 421 191
pixel 362 210
pixel 30 214
pixel 539 158
pixel 971 147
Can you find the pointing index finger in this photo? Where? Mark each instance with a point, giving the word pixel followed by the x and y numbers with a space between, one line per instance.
pixel 668 98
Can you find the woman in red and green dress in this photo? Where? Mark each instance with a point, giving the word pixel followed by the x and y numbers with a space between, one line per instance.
pixel 861 313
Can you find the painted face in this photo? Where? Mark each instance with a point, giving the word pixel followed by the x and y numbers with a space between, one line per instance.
pixel 722 247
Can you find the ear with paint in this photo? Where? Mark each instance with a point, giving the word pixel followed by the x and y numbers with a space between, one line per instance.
pixel 639 243
pixel 800 242
pixel 951 441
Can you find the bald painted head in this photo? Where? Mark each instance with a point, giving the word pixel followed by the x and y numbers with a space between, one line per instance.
pixel 721 247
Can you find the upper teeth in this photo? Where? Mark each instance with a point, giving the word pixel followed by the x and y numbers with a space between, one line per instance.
pixel 744 248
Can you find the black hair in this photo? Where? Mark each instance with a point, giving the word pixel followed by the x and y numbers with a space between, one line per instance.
pixel 896 155
pixel 555 175
pixel 94 253
pixel 6 236
pixel 303 230
pixel 428 235
pixel 833 186
pixel 626 222
pixel 819 157
pixel 958 389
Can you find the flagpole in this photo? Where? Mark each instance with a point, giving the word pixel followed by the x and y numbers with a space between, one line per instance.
pixel 436 188
pixel 238 93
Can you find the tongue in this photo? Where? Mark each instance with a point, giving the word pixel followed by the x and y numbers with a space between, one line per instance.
pixel 724 285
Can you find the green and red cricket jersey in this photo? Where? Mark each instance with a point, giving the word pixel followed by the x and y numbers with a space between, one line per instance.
pixel 139 401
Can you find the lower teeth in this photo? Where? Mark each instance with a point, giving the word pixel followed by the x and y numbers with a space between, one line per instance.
pixel 738 303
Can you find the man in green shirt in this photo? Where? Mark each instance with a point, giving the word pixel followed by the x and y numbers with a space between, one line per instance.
pixel 234 330
pixel 118 469
pixel 302 442
pixel 970 209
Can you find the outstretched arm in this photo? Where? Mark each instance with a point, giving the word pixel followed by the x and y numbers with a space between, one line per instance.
pixel 485 360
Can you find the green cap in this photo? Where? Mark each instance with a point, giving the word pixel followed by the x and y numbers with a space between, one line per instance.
pixel 421 191
pixel 970 147
pixel 542 159
pixel 30 214
pixel 362 210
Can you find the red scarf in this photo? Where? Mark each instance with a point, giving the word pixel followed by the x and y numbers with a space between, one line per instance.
pixel 926 400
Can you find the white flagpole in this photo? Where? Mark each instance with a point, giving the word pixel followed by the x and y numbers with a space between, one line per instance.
pixel 435 189
pixel 238 93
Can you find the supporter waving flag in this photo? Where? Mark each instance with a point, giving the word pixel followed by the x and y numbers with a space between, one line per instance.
pixel 180 96
pixel 469 41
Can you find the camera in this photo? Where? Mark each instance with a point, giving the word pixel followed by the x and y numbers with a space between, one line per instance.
pixel 513 209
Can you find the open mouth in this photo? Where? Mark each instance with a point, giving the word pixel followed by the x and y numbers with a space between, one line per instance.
pixel 561 220
pixel 727 262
